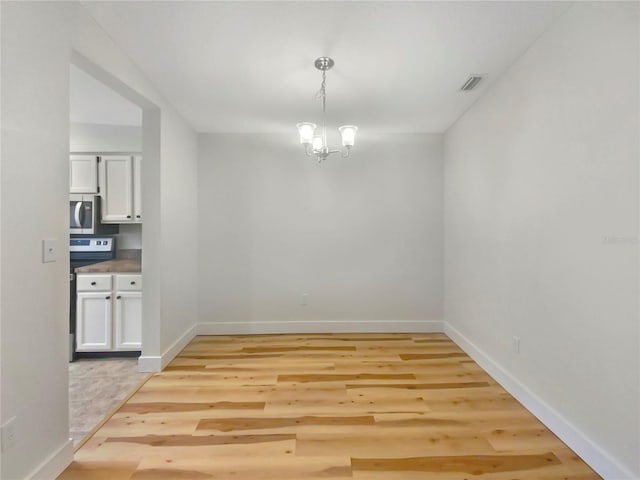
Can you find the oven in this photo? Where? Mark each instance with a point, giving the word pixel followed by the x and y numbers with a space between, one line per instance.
pixel 83 251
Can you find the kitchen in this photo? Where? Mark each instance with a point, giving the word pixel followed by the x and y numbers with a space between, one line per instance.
pixel 105 250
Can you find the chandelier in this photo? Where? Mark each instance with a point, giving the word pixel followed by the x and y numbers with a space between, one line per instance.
pixel 317 144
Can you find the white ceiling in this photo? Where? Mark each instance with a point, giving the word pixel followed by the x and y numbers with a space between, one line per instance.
pixel 235 66
pixel 94 102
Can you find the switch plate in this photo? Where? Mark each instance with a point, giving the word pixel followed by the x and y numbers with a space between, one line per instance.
pixel 305 299
pixel 516 345
pixel 49 250
pixel 8 434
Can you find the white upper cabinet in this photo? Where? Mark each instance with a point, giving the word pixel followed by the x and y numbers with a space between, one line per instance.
pixel 83 174
pixel 137 189
pixel 120 188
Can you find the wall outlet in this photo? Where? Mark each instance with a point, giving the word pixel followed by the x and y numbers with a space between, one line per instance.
pixel 516 345
pixel 304 300
pixel 8 434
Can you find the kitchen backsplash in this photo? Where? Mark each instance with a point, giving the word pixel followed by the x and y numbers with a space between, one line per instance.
pixel 129 254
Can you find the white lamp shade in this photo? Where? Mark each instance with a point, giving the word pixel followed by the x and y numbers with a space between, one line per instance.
pixel 348 134
pixel 306 131
pixel 318 143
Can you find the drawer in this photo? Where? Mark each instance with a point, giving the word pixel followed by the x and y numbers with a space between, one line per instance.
pixel 90 283
pixel 128 282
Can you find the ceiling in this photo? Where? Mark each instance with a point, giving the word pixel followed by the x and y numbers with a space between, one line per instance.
pixel 236 66
pixel 94 102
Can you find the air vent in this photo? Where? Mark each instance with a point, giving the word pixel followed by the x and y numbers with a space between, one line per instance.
pixel 471 83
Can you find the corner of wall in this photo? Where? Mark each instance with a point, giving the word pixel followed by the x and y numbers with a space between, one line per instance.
pixel 157 363
pixel 577 440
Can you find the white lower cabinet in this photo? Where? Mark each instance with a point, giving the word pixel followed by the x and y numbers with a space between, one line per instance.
pixel 109 319
pixel 128 325
pixel 93 322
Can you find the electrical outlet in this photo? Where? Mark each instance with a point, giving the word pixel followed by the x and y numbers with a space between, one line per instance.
pixel 304 300
pixel 516 345
pixel 8 434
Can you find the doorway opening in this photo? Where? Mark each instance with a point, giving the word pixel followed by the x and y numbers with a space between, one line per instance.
pixel 108 159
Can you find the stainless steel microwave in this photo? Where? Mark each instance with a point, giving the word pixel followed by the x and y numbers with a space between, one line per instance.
pixel 84 216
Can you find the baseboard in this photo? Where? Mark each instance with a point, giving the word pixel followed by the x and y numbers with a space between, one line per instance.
pixel 149 364
pixel 55 464
pixel 588 450
pixel 157 363
pixel 370 326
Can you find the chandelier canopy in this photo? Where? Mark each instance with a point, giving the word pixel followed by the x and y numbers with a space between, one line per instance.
pixel 317 145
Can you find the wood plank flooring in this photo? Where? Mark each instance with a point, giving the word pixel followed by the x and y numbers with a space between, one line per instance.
pixel 351 406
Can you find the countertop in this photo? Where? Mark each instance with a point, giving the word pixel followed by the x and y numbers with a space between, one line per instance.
pixel 124 265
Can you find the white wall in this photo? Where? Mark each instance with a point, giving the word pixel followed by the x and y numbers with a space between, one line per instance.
pixel 37 42
pixel 35 177
pixel 179 186
pixel 541 227
pixel 93 137
pixel 361 236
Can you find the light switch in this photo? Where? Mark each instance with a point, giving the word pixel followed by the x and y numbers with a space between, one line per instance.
pixel 49 250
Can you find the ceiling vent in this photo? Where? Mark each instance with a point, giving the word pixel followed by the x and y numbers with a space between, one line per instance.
pixel 471 83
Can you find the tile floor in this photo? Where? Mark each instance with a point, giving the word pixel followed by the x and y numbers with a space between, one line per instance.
pixel 96 387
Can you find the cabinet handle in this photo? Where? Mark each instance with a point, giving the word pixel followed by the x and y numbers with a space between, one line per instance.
pixel 107 298
pixel 128 216
pixel 93 283
pixel 118 297
pixel 137 216
pixel 133 283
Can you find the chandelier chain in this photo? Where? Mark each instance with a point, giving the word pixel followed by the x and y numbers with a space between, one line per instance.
pixel 322 93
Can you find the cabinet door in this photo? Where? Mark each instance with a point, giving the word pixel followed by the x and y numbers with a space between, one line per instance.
pixel 137 189
pixel 93 321
pixel 83 174
pixel 116 188
pixel 128 321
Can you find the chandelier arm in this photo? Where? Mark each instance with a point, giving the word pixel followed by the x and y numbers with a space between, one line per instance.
pixel 346 152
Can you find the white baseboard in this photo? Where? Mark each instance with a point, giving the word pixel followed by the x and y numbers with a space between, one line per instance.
pixel 157 363
pixel 55 464
pixel 371 326
pixel 588 450
pixel 149 364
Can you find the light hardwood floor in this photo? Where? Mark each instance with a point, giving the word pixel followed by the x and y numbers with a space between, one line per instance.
pixel 363 406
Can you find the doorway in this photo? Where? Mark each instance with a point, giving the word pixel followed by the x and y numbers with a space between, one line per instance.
pixel 107 299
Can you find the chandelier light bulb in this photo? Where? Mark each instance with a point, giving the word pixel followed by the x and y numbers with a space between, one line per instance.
pixel 318 144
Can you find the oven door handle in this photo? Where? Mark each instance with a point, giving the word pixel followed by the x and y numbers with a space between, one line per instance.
pixel 77 214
